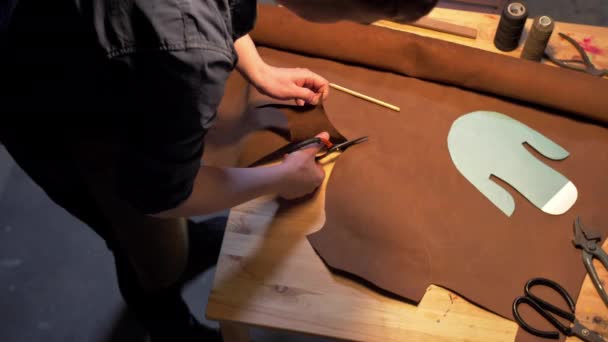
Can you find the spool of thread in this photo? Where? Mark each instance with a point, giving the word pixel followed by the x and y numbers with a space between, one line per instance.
pixel 511 25
pixel 538 38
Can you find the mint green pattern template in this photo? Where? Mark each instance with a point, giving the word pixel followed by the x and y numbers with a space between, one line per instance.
pixel 488 143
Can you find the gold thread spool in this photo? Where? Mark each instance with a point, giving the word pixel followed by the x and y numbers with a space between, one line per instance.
pixel 537 41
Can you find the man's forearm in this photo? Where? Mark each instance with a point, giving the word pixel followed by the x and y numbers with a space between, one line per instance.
pixel 250 64
pixel 216 189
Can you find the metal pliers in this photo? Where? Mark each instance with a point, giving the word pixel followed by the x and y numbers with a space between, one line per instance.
pixel 589 243
pixel 574 64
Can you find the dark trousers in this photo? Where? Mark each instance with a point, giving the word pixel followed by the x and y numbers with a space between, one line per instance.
pixel 55 167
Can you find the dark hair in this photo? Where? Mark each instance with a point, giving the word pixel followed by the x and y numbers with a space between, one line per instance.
pixel 402 10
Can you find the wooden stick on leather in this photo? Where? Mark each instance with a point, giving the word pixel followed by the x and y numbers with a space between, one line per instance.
pixel 365 97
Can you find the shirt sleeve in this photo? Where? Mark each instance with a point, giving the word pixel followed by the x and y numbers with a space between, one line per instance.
pixel 172 100
pixel 244 15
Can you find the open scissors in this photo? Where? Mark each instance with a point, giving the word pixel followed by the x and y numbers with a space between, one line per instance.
pixel 584 65
pixel 589 242
pixel 329 148
pixel 548 311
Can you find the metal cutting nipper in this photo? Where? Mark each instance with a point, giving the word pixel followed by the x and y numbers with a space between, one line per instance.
pixel 589 242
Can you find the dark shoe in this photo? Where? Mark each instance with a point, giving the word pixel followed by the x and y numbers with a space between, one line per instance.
pixel 206 334
pixel 194 332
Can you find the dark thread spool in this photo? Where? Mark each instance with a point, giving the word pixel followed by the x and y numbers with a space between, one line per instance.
pixel 511 25
pixel 541 31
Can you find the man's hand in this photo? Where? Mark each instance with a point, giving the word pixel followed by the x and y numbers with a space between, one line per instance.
pixel 217 188
pixel 302 173
pixel 301 85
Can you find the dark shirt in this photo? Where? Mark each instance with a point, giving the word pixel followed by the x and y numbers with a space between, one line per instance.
pixel 147 74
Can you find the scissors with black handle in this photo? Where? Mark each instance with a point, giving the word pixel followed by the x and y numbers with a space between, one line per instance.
pixel 589 242
pixel 550 311
pixel 296 146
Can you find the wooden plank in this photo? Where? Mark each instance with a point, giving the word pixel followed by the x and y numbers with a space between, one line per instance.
pixel 445 27
pixel 483 6
pixel 594 38
pixel 590 309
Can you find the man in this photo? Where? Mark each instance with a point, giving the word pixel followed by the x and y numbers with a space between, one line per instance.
pixel 108 104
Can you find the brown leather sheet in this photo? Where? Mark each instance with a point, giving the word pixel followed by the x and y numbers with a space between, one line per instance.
pixel 432 59
pixel 401 216
pixel 398 212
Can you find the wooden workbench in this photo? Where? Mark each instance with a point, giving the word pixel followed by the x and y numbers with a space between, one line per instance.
pixel 593 38
pixel 268 275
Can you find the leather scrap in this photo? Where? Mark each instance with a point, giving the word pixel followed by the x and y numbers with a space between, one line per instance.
pixel 250 125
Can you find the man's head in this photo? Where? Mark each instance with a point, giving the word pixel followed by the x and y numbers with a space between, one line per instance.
pixel 362 11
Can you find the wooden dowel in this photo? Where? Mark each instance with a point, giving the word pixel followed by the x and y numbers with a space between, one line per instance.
pixel 364 97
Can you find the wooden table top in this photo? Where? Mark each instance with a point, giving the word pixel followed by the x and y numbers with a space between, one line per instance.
pixel 268 274
pixel 594 39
